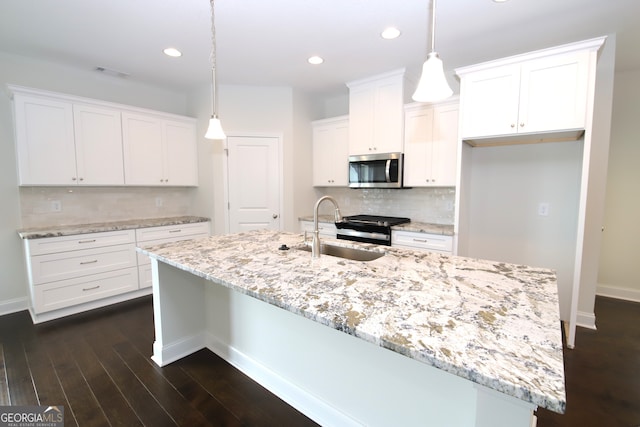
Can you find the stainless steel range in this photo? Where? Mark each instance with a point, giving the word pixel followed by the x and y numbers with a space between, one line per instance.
pixel 368 228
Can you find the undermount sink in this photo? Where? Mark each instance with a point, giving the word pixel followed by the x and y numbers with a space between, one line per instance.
pixel 344 252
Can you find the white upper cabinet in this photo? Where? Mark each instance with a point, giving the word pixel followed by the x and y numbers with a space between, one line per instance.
pixel 431 145
pixel 376 114
pixel 98 136
pixel 331 152
pixel 525 96
pixel 159 151
pixel 66 140
pixel 62 143
pixel 45 141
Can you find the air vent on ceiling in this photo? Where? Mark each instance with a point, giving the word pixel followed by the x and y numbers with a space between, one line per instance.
pixel 111 72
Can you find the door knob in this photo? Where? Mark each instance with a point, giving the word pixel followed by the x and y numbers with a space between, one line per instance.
pixel 274 216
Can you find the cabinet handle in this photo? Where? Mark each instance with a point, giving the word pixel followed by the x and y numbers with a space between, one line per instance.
pixel 81 179
pixel 90 289
pixel 89 262
pixel 175 231
pixel 73 179
pixel 87 241
pixel 521 125
pixel 421 240
pixel 513 125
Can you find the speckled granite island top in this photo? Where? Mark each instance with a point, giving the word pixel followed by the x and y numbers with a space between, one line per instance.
pixel 492 323
pixel 97 227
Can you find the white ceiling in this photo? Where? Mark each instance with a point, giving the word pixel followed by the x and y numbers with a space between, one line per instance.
pixel 267 42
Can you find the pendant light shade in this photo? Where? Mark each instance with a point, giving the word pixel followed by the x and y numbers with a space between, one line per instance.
pixel 433 85
pixel 214 131
pixel 215 127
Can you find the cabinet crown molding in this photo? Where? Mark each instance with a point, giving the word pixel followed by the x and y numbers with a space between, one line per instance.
pixel 586 45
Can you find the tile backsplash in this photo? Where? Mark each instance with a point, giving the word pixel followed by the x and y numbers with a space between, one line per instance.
pixel 46 206
pixel 433 205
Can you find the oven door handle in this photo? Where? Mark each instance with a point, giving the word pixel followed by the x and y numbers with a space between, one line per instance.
pixel 387 170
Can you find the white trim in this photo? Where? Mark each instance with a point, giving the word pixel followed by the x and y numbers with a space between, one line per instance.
pixel 618 292
pixel 589 45
pixel 305 402
pixel 56 314
pixel 586 320
pixel 168 353
pixel 14 305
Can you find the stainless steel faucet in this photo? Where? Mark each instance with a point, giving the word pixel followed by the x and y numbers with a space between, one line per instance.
pixel 315 244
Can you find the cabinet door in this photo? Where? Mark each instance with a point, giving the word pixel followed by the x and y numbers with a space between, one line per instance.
pixel 44 137
pixel 388 119
pixel 553 93
pixel 361 121
pixel 143 151
pixel 98 136
pixel 489 101
pixel 331 153
pixel 181 160
pixel 445 146
pixel 418 146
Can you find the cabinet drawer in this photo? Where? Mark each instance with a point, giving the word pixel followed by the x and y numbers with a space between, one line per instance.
pixel 172 232
pixel 80 241
pixel 67 265
pixel 53 296
pixel 424 241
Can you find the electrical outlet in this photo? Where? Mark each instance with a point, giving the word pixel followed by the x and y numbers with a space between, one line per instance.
pixel 56 206
pixel 543 209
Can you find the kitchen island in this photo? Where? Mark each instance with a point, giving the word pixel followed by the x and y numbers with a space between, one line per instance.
pixel 411 338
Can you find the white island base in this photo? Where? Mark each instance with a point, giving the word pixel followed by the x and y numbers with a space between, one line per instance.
pixel 334 378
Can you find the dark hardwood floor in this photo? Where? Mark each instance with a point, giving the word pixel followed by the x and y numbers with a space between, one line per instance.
pixel 97 365
pixel 602 374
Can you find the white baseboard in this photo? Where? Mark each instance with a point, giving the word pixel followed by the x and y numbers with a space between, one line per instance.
pixel 14 305
pixel 305 402
pixel 163 355
pixel 586 320
pixel 619 293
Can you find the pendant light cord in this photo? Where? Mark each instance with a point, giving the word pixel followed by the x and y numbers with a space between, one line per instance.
pixel 433 25
pixel 212 60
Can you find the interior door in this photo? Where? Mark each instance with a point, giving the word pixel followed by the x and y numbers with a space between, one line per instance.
pixel 253 183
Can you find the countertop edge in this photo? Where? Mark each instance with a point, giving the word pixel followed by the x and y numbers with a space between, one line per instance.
pixel 99 227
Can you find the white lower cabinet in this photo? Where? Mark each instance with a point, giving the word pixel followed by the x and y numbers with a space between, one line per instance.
pixel 71 274
pixel 422 241
pixel 325 229
pixel 151 236
pixel 70 270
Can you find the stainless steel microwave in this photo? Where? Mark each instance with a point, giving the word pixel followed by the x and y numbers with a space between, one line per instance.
pixel 383 170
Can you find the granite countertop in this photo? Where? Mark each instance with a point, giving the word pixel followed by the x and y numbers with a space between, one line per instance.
pixel 492 323
pixel 97 227
pixel 415 226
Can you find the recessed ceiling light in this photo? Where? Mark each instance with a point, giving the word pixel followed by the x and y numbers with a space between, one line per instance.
pixel 172 52
pixel 390 33
pixel 315 60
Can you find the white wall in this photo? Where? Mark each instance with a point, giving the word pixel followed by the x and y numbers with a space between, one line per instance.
pixel 620 256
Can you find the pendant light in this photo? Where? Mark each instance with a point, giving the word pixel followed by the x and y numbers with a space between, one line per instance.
pixel 215 128
pixel 433 85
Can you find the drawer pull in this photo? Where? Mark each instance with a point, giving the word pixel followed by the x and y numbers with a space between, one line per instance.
pixel 421 240
pixel 89 262
pixel 87 241
pixel 90 289
pixel 175 231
